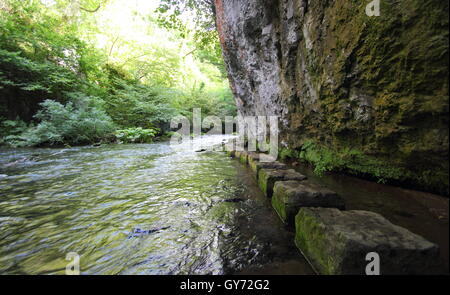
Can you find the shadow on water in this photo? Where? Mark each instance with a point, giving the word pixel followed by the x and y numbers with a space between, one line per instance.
pixel 137 209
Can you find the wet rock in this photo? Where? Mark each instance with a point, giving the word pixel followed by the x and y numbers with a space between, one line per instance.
pixel 234 200
pixel 231 153
pixel 242 156
pixel 256 166
pixel 200 151
pixel 252 157
pixel 289 196
pixel 137 232
pixel 268 177
pixel 337 242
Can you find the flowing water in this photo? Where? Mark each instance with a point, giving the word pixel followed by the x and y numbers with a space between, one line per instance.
pixel 156 209
pixel 137 209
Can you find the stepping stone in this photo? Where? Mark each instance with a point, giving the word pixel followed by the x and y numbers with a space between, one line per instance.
pixel 268 177
pixel 253 156
pixel 337 242
pixel 231 153
pixel 242 156
pixel 289 196
pixel 256 166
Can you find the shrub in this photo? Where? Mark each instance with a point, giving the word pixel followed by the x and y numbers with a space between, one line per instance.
pixel 65 124
pixel 136 135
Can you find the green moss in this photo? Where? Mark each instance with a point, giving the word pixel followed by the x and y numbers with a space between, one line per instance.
pixel 253 162
pixel 243 157
pixel 312 240
pixel 279 205
pixel 383 170
pixel 230 154
pixel 262 181
pixel 286 153
pixel 385 115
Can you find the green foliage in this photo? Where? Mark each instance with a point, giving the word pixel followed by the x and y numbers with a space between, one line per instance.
pixel 11 130
pixel 138 105
pixel 203 27
pixel 30 76
pixel 351 161
pixel 65 124
pixel 136 135
pixel 286 153
pixel 59 85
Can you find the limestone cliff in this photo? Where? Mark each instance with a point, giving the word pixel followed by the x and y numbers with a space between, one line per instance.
pixel 364 95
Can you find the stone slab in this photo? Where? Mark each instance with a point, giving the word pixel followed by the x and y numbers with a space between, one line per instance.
pixel 242 156
pixel 289 196
pixel 256 166
pixel 337 242
pixel 268 177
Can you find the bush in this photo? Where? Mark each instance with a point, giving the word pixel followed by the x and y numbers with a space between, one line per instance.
pixel 65 124
pixel 136 135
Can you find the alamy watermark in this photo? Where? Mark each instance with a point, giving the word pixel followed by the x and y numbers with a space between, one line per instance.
pixel 373 8
pixel 373 267
pixel 73 267
pixel 254 133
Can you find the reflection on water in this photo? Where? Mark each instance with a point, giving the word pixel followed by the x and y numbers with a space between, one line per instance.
pixel 137 209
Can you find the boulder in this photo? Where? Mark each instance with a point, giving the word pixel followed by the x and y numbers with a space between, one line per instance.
pixel 289 196
pixel 338 242
pixel 268 177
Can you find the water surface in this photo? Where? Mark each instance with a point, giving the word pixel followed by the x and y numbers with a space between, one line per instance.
pixel 138 209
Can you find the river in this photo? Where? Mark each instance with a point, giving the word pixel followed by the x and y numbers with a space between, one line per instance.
pixel 156 209
pixel 137 209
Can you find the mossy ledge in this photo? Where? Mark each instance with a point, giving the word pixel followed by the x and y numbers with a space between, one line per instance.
pixel 386 170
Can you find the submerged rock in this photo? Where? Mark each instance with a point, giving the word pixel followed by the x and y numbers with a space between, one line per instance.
pixel 137 232
pixel 268 177
pixel 337 242
pixel 289 196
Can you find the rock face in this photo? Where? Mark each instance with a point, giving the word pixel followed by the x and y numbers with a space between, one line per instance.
pixel 337 242
pixel 375 86
pixel 289 196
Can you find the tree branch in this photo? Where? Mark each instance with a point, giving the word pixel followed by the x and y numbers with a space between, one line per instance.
pixel 190 52
pixel 91 11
